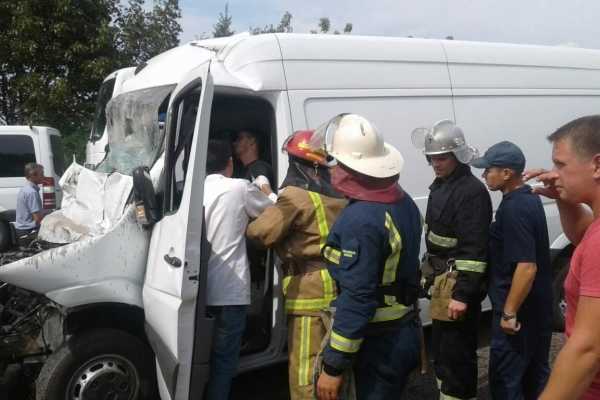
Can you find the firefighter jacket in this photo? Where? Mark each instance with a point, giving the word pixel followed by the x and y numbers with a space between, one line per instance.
pixel 457 223
pixel 297 226
pixel 370 246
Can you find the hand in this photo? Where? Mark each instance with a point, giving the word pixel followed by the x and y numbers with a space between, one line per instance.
pixel 511 326
pixel 260 181
pixel 328 386
pixel 456 309
pixel 542 175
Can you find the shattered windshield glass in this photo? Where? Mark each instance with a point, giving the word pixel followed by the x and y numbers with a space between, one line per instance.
pixel 135 131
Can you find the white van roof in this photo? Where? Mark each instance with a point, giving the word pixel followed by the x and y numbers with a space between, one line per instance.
pixel 11 129
pixel 254 61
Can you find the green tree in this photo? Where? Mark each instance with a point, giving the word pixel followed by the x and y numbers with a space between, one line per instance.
pixel 221 28
pixel 142 35
pixel 324 24
pixel 285 26
pixel 55 55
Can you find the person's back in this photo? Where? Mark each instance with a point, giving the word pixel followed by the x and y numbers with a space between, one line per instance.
pixel 228 206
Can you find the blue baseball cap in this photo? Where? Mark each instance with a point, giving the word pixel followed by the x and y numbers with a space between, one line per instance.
pixel 501 155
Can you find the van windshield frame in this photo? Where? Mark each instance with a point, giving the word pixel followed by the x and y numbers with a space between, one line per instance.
pixel 104 95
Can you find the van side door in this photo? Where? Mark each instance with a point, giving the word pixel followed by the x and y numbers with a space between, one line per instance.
pixel 174 293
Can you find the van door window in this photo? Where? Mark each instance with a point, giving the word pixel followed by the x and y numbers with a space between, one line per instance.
pixel 58 155
pixel 15 152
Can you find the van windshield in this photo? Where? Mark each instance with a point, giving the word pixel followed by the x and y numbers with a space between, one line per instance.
pixel 135 134
pixel 104 95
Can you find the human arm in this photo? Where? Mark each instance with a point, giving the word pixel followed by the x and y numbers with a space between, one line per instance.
pixel 574 218
pixel 473 217
pixel 579 359
pixel 34 204
pixel 263 184
pixel 37 217
pixel 255 201
pixel 275 223
pixel 519 289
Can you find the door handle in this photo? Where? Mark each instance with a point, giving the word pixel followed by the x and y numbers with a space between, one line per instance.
pixel 173 261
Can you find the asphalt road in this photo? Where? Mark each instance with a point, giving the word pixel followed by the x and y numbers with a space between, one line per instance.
pixel 271 383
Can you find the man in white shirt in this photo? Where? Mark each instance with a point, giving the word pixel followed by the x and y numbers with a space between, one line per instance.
pixel 229 204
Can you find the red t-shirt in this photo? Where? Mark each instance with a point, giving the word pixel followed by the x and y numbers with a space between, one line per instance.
pixel 584 280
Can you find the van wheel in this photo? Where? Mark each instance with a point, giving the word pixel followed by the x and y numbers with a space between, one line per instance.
pixel 99 364
pixel 4 235
pixel 559 306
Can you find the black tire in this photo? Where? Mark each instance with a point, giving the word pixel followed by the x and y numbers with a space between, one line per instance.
pixel 97 363
pixel 5 237
pixel 559 303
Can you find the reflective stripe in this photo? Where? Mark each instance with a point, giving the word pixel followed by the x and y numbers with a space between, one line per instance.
pixel 391 264
pixel 321 218
pixel 306 304
pixel 441 240
pixel 286 282
pixel 328 292
pixel 304 353
pixel 343 344
pixel 439 383
pixel 332 255
pixel 391 313
pixel 471 266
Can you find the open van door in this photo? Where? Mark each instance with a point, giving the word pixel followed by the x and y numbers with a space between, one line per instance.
pixel 174 292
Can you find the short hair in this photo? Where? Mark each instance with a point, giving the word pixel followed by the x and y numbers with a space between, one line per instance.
pixel 584 136
pixel 254 135
pixel 30 169
pixel 218 156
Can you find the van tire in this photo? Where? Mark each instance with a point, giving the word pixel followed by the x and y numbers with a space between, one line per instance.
pixel 559 302
pixel 99 361
pixel 5 235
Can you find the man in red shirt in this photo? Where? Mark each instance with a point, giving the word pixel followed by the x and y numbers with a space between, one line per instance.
pixel 573 182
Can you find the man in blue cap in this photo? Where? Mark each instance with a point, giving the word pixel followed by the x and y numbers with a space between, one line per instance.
pixel 520 283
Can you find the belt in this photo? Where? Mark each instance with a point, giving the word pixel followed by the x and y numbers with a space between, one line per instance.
pixel 295 267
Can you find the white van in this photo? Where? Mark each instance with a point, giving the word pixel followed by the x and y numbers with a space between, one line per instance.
pixel 123 286
pixel 20 145
pixel 95 150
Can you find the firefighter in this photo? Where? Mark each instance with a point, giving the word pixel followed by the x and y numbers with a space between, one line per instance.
pixel 457 221
pixel 372 253
pixel 297 226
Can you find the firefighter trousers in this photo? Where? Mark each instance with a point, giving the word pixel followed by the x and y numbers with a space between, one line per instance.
pixel 455 355
pixel 305 334
pixel 384 362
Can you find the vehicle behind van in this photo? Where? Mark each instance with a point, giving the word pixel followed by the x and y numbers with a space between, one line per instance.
pixel 20 145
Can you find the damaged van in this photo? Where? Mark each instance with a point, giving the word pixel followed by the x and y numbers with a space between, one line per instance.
pixel 111 299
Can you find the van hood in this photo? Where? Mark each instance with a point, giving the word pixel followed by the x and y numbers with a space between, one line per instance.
pixel 105 249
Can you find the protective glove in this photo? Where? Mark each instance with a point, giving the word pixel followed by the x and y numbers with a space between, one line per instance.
pixel 260 181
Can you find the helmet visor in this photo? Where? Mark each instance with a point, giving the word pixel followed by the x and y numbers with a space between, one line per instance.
pixel 323 135
pixel 418 136
pixel 466 154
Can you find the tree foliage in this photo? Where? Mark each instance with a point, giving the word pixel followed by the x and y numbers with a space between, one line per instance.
pixel 285 26
pixel 56 53
pixel 222 27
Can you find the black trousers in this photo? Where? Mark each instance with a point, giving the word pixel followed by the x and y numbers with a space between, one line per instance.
pixel 455 354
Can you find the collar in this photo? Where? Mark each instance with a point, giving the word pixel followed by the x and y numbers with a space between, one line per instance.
pixel 33 185
pixel 461 171
pixel 522 190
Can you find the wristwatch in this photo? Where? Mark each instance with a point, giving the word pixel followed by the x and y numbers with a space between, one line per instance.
pixel 508 317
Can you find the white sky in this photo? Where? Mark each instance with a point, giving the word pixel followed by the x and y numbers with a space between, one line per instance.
pixel 545 22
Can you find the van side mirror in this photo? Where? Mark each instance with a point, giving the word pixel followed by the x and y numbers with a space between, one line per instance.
pixel 144 198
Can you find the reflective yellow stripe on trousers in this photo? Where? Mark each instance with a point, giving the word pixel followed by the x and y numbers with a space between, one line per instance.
pixel 304 353
pixel 391 264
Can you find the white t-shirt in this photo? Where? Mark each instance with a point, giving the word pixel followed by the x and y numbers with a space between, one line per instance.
pixel 229 204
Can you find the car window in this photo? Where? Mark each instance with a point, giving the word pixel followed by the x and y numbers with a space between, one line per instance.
pixel 58 155
pixel 15 152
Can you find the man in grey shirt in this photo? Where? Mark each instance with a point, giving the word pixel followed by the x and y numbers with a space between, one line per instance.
pixel 29 204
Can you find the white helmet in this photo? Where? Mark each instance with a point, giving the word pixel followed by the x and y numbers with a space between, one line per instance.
pixel 444 137
pixel 358 144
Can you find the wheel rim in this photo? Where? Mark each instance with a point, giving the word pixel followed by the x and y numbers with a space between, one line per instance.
pixel 107 377
pixel 562 302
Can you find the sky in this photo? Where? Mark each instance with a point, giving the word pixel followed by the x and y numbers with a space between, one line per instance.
pixel 544 22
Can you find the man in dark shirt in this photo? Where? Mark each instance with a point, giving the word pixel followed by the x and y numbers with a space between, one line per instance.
pixel 521 284
pixel 247 148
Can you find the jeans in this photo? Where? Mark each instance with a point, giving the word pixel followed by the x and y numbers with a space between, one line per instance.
pixel 230 322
